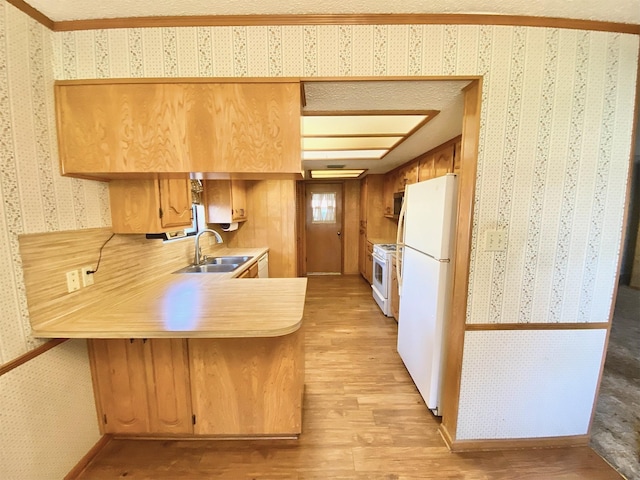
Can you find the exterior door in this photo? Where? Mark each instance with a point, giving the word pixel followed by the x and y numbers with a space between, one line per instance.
pixel 324 228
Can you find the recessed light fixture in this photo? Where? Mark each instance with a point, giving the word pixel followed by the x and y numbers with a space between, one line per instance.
pixel 358 135
pixel 325 174
pixel 343 154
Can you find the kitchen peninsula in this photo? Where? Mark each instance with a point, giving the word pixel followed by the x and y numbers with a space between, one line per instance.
pixel 186 355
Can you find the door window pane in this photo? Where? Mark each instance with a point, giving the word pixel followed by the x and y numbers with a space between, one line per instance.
pixel 323 206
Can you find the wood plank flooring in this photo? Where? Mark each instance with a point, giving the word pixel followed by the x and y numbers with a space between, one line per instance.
pixel 362 419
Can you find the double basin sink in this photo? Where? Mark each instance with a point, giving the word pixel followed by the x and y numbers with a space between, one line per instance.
pixel 216 265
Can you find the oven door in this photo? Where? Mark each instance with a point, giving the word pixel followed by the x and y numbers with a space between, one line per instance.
pixel 380 275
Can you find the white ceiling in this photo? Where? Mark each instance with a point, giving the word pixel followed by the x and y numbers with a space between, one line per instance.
pixel 625 11
pixel 445 96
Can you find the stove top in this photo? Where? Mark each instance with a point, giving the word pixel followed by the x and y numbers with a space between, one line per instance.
pixel 387 247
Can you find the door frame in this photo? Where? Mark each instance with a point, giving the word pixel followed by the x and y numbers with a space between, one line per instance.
pixel 301 224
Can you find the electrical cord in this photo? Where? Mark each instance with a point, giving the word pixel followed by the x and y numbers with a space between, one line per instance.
pixel 100 256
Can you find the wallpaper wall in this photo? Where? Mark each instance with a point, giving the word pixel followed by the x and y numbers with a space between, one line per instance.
pixel 47 417
pixel 555 139
pixel 33 195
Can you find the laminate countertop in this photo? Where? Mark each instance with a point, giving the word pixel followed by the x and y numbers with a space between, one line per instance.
pixel 191 305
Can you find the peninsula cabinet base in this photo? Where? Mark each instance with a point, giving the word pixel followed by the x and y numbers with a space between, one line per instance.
pixel 200 387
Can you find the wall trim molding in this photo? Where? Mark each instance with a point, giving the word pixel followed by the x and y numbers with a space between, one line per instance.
pixel 30 355
pixel 324 19
pixel 475 327
pixel 512 443
pixel 88 457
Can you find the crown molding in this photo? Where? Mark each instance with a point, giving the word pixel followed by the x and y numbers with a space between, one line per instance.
pixel 33 13
pixel 338 19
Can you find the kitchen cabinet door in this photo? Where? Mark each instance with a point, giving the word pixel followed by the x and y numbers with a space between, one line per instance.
pixel 225 200
pixel 137 127
pixel 426 168
pixel 256 129
pixel 119 381
pixel 150 205
pixel 142 386
pixel 388 191
pixel 164 127
pixel 457 156
pixel 167 380
pixel 443 161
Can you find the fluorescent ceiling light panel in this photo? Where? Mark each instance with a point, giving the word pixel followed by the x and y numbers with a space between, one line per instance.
pixel 336 173
pixel 343 154
pixel 346 125
pixel 348 143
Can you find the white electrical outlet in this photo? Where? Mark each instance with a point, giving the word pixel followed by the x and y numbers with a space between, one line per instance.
pixel 73 281
pixel 87 278
pixel 495 241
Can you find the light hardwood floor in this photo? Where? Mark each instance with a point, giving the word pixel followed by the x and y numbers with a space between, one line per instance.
pixel 362 419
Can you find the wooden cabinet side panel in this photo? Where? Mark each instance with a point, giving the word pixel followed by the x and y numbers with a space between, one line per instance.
pixel 217 198
pixel 175 201
pixel 247 386
pixel 395 293
pixel 168 388
pixel 119 372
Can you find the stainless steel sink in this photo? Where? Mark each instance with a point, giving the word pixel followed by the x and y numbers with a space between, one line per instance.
pixel 227 260
pixel 209 268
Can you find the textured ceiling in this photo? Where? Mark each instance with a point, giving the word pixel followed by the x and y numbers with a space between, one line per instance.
pixel 625 11
pixel 443 95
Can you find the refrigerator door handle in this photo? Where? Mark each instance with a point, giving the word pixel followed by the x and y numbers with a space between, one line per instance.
pixel 400 242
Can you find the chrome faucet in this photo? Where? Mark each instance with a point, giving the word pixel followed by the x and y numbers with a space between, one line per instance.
pixel 197 257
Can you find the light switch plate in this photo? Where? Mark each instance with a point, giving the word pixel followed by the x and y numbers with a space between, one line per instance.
pixel 495 241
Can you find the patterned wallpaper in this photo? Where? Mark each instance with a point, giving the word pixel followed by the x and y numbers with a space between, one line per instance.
pixel 555 136
pixel 47 414
pixel 33 195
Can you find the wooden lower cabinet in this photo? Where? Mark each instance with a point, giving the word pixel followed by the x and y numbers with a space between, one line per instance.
pixel 201 387
pixel 141 386
pixel 368 267
pixel 248 386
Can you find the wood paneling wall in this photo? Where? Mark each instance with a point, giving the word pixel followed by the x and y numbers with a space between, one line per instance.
pixel 351 196
pixel 271 221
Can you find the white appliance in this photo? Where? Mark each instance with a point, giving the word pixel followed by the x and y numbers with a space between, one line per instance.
pixel 383 254
pixel 263 266
pixel 425 239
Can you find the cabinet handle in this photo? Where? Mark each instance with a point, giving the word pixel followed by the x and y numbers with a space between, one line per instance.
pixel 339 233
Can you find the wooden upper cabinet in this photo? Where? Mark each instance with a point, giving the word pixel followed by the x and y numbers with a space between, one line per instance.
pixel 150 205
pixel 443 161
pixel 425 169
pixel 457 156
pixel 178 128
pixel 122 128
pixel 225 201
pixel 256 129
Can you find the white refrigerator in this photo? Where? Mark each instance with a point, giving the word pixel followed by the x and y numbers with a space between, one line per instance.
pixel 425 245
